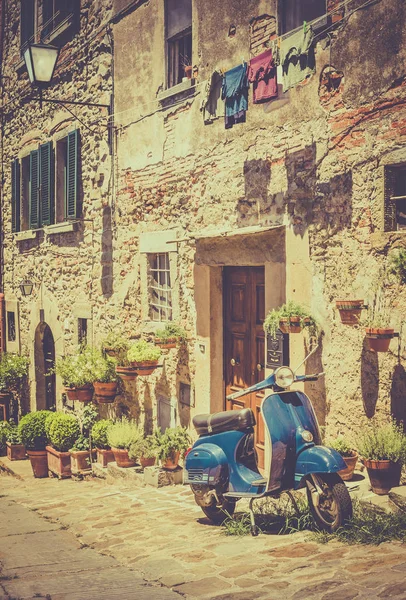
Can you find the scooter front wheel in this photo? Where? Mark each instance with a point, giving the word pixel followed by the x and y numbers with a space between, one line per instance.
pixel 218 513
pixel 329 501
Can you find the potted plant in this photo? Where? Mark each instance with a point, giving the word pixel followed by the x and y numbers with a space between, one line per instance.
pixel 350 311
pixel 80 455
pixel 105 377
pixel 170 444
pixel 62 432
pixel 383 451
pixel 15 448
pixel 105 454
pixel 33 435
pixel 77 375
pixel 143 357
pixel 144 451
pixel 377 325
pixel 5 429
pixel 397 265
pixel 121 436
pixel 289 318
pixel 115 345
pixel 13 367
pixel 350 456
pixel 169 335
pixel 187 66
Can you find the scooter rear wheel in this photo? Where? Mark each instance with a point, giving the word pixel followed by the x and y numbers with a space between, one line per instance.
pixel 219 513
pixel 334 508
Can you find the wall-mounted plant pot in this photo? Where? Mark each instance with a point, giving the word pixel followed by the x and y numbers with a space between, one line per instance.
pixel 104 456
pixel 58 463
pixel 16 451
pixel 383 475
pixel 122 458
pixel 350 311
pixel 83 393
pixel 39 462
pixel 379 338
pixel 147 367
pixel 292 324
pixel 171 462
pixel 166 344
pixel 350 461
pixel 105 392
pixel 126 373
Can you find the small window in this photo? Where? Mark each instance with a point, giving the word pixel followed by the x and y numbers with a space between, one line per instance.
pixel 57 17
pixel 178 39
pixel 11 326
pixel 395 198
pixel 82 331
pixel 160 291
pixel 27 23
pixel 295 12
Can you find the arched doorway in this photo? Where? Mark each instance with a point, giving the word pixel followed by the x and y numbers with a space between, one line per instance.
pixel 44 366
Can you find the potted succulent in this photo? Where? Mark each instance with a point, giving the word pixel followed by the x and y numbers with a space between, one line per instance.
pixel 105 377
pixel 169 335
pixel 143 357
pixel 144 451
pixel 170 444
pixel 115 345
pixel 33 435
pixel 77 375
pixel 15 448
pixel 121 436
pixel 350 456
pixel 383 451
pixel 350 311
pixel 5 429
pixel 99 439
pixel 13 367
pixel 289 318
pixel 62 432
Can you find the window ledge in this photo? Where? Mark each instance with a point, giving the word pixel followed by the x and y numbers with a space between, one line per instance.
pixel 184 86
pixel 30 234
pixel 20 66
pixel 64 227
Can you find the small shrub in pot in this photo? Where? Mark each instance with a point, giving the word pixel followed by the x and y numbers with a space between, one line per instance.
pixel 99 440
pixel 15 447
pixel 121 436
pixel 344 447
pixel 144 450
pixel 144 355
pixel 170 444
pixel 33 435
pixel 63 430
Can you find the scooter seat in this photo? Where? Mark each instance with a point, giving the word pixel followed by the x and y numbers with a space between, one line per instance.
pixel 228 420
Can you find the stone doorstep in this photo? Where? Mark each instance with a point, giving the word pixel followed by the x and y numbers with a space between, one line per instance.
pixel 152 476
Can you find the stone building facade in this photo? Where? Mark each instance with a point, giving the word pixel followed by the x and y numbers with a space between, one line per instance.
pixel 294 203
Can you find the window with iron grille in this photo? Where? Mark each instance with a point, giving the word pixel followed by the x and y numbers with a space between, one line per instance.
pixel 295 12
pixel 395 198
pixel 11 326
pixel 178 39
pixel 82 331
pixel 160 291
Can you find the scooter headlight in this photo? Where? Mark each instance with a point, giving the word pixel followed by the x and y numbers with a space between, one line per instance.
pixel 307 435
pixel 284 377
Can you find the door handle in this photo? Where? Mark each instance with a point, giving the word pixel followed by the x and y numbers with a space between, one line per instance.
pixel 234 362
pixel 259 367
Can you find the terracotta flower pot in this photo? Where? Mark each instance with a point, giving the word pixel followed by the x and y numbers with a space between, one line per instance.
pixel 39 462
pixel 71 393
pixel 126 373
pixel 80 461
pixel 350 461
pixel 292 325
pixel 188 71
pixel 146 367
pixel 122 458
pixel 383 475
pixel 166 344
pixel 104 456
pixel 83 393
pixel 105 392
pixel 350 311
pixel 172 462
pixel 59 462
pixel 379 338
pixel 16 451
pixel 146 462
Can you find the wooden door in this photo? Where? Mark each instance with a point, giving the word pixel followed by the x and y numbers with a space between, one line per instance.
pixel 244 341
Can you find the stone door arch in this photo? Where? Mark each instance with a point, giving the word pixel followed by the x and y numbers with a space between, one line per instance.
pixel 44 365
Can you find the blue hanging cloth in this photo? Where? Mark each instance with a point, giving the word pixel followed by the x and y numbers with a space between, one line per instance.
pixel 235 93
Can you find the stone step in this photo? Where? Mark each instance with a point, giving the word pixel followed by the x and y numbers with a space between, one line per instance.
pixel 136 476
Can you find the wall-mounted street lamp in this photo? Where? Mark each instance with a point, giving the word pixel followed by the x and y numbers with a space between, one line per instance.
pixel 26 287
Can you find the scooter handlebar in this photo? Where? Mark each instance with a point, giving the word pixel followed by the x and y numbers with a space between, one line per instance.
pixel 313 377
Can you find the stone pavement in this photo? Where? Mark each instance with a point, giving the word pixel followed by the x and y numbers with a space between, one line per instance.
pixel 164 538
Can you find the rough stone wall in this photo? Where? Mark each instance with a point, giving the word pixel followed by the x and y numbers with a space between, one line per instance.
pixel 311 161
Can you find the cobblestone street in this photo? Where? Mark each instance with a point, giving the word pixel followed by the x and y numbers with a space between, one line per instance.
pixel 163 537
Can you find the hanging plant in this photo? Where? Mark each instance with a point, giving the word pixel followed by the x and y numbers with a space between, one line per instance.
pixel 290 318
pixel 397 265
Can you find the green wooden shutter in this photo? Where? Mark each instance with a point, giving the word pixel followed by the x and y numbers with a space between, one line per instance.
pixel 72 176
pixel 389 208
pixel 47 184
pixel 15 196
pixel 34 190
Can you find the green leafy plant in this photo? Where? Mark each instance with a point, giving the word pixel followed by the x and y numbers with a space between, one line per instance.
pixel 99 434
pixel 5 430
pixel 172 440
pixel 13 436
pixel 82 444
pixel 32 430
pixel 115 341
pixel 143 351
pixel 378 314
pixel 342 445
pixel 76 369
pixel 397 265
pixel 86 415
pixel 170 331
pixel 123 434
pixel 287 311
pixel 13 367
pixel 383 442
pixel 63 431
pixel 145 447
pixel 103 367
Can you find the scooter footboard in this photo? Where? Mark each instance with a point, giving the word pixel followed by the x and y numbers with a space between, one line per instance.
pixel 317 459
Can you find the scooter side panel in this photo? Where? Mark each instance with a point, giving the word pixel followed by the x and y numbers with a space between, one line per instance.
pixel 317 459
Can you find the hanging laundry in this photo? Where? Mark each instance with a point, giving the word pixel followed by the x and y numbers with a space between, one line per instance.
pixel 211 95
pixel 235 94
pixel 297 57
pixel 262 74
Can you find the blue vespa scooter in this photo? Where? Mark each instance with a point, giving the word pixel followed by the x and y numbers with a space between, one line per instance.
pixel 222 468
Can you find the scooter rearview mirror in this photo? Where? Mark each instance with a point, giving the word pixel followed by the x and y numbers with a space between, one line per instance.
pixel 303 361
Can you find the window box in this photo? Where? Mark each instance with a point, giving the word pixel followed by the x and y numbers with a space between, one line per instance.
pixel 64 227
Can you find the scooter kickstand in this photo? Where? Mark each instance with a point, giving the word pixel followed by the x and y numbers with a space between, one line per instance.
pixel 254 528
